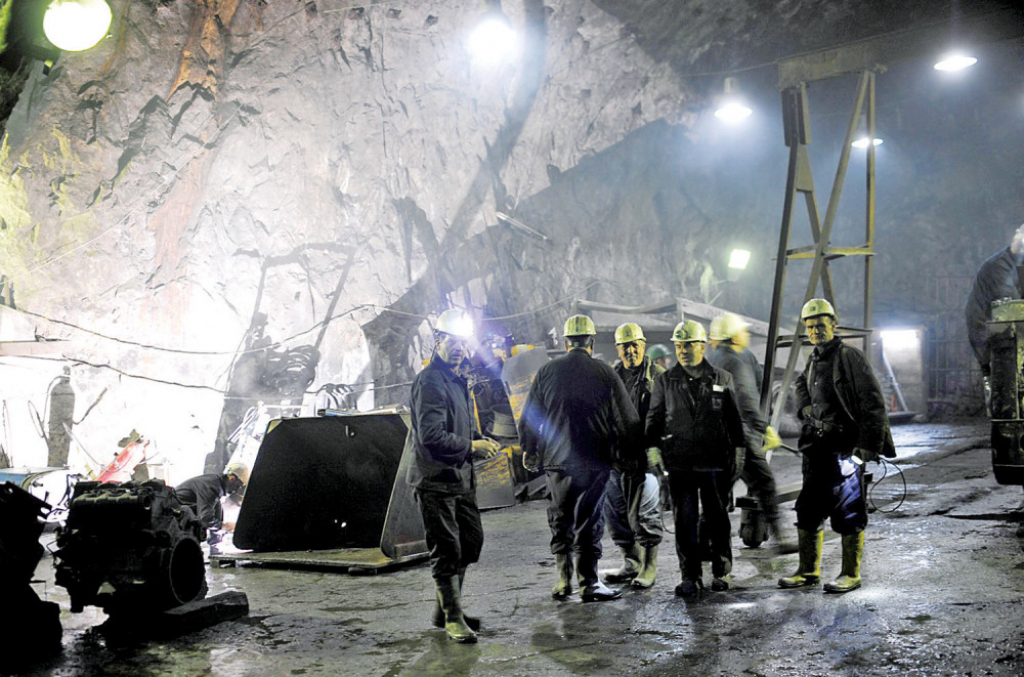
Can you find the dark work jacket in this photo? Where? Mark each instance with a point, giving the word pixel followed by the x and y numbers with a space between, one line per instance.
pixel 442 431
pixel 640 389
pixel 997 278
pixel 695 434
pixel 745 389
pixel 578 415
pixel 203 494
pixel 859 396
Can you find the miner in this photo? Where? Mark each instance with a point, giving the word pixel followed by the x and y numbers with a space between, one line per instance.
pixel 577 422
pixel 632 506
pixel 204 493
pixel 442 474
pixel 694 420
pixel 733 356
pixel 844 425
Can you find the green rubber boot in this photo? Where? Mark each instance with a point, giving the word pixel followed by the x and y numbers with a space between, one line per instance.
pixel 648 572
pixel 438 618
pixel 454 624
pixel 853 552
pixel 564 569
pixel 808 573
pixel 632 562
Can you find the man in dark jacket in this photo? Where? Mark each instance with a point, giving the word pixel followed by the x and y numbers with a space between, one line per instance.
pixel 632 504
pixel 752 467
pixel 442 474
pixel 844 425
pixel 694 420
pixel 204 493
pixel 997 278
pixel 577 421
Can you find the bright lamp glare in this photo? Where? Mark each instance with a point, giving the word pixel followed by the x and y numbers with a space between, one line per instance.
pixel 863 142
pixel 739 258
pixel 76 25
pixel 492 41
pixel 955 62
pixel 733 112
pixel 900 339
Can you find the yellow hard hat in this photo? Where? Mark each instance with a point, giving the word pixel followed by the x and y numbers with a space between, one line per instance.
pixel 455 322
pixel 689 332
pixel 239 470
pixel 816 307
pixel 629 332
pixel 715 332
pixel 579 325
pixel 731 324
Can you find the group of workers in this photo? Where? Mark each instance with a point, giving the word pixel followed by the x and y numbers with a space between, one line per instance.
pixel 603 435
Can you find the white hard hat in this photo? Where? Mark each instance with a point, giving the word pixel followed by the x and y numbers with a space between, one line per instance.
pixel 455 322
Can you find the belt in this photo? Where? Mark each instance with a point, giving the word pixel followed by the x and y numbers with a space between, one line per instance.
pixel 823 426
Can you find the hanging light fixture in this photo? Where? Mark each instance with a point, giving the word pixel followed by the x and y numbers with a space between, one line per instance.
pixel 493 39
pixel 955 61
pixel 862 138
pixel 76 25
pixel 739 258
pixel 732 106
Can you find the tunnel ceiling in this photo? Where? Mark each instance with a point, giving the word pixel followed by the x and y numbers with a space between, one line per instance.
pixel 237 201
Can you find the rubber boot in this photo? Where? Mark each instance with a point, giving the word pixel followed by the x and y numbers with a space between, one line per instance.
pixel 853 551
pixel 438 617
pixel 591 587
pixel 632 563
pixel 564 569
pixel 648 572
pixel 781 546
pixel 808 573
pixel 454 624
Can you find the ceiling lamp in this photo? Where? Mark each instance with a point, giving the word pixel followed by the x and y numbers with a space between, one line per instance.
pixel 76 25
pixel 955 61
pixel 732 106
pixel 862 142
pixel 493 40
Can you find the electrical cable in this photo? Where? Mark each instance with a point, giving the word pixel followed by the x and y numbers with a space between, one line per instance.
pixel 884 463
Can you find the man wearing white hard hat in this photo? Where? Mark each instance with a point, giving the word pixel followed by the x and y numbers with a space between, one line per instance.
pixel 442 474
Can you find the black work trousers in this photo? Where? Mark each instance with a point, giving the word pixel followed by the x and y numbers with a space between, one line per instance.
pixel 692 492
pixel 761 482
pixel 575 515
pixel 833 485
pixel 454 533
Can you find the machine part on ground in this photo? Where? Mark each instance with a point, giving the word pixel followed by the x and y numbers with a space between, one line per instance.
pixel 1006 343
pixel 37 623
pixel 129 548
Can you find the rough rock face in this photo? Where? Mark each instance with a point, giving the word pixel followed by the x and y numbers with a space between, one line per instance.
pixel 248 201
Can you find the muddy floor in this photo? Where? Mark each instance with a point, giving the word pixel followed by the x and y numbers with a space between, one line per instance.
pixel 943 582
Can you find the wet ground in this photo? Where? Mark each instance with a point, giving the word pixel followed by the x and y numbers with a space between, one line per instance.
pixel 943 582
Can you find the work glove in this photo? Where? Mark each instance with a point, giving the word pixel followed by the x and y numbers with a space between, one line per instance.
pixel 771 439
pixel 531 462
pixel 655 464
pixel 485 448
pixel 865 455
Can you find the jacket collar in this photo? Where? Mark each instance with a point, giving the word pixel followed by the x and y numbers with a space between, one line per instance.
pixel 443 367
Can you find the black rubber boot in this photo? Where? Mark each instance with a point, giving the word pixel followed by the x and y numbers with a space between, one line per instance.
pixel 454 625
pixel 631 565
pixel 591 587
pixel 564 569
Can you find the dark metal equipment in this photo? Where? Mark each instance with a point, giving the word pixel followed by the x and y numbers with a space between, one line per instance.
pixel 33 626
pixel 1006 342
pixel 129 548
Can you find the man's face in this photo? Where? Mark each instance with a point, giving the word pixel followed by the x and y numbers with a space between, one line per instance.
pixel 234 483
pixel 690 353
pixel 451 349
pixel 820 329
pixel 632 353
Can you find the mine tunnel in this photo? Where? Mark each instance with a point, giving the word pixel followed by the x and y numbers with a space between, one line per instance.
pixel 494 337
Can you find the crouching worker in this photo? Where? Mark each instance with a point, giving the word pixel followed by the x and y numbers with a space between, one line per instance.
pixel 204 493
pixel 693 418
pixel 442 474
pixel 844 425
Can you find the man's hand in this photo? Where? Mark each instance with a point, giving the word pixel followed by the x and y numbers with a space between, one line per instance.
pixel 655 464
pixel 865 455
pixel 771 439
pixel 531 462
pixel 485 448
